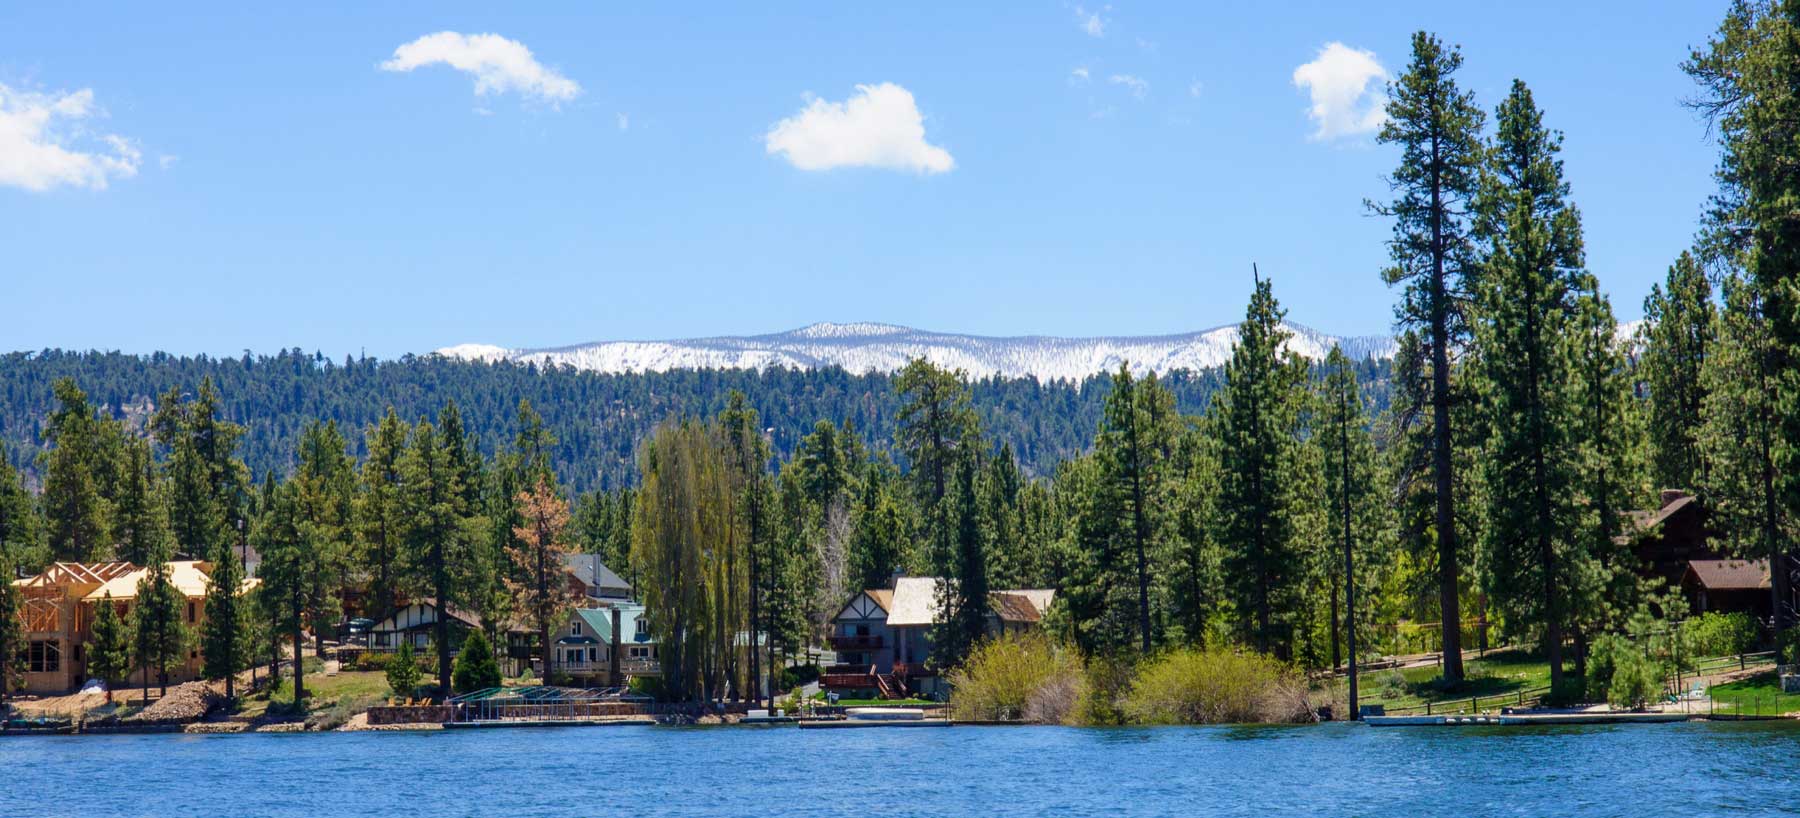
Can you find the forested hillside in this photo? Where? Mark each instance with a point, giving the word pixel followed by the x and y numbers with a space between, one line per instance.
pixel 598 419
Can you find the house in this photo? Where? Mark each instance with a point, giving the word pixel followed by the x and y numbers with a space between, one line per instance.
pixel 60 605
pixel 416 623
pixel 591 579
pixel 883 636
pixel 1666 539
pixel 583 648
pixel 1728 586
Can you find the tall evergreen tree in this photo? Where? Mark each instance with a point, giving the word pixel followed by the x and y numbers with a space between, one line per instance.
pixel 437 544
pixel 21 528
pixel 1354 500
pixel 934 421
pixel 1749 74
pixel 544 596
pixel 379 517
pixel 283 538
pixel 1135 438
pixel 1677 335
pixel 325 480
pixel 1256 423
pixel 964 598
pixel 1530 240
pixel 12 624
pixel 75 508
pixel 109 650
pixel 225 643
pixel 159 638
pixel 1438 128
pixel 140 510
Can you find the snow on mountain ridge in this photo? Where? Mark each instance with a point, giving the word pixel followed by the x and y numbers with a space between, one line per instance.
pixel 874 347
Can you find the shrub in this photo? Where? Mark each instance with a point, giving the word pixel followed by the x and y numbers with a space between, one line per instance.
pixel 1016 677
pixel 370 660
pixel 1217 687
pixel 792 677
pixel 475 666
pixel 403 672
pixel 1623 672
pixel 1720 634
pixel 1104 688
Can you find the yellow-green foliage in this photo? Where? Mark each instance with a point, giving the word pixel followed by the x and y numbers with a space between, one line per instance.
pixel 1216 687
pixel 1017 677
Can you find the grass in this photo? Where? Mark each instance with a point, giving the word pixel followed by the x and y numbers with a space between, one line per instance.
pixel 1501 673
pixel 1759 694
pixel 886 703
pixel 349 689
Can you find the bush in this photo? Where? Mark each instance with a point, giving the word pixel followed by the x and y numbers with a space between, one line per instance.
pixel 1104 688
pixel 475 666
pixel 1217 687
pixel 403 672
pixel 370 660
pixel 651 686
pixel 792 677
pixel 1623 672
pixel 1720 634
pixel 1017 677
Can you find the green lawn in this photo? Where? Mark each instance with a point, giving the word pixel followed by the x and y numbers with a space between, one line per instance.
pixel 359 688
pixel 1759 694
pixel 1499 675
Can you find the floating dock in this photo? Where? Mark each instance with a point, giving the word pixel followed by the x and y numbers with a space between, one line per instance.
pixel 1529 719
pixel 835 724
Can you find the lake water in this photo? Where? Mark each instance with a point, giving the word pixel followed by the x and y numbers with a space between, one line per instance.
pixel 1665 770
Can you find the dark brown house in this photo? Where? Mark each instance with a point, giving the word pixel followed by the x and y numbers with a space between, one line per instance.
pixel 1728 586
pixel 1672 536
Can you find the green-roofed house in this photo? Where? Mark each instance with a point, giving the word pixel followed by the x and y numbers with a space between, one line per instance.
pixel 583 648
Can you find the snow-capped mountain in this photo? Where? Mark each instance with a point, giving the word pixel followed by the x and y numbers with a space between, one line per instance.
pixel 866 347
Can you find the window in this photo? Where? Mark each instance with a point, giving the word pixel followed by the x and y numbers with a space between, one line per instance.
pixel 862 630
pixel 190 612
pixel 575 628
pixel 43 657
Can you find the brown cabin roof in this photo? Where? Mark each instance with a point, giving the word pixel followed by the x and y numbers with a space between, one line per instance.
pixel 883 597
pixel 1730 575
pixel 1014 607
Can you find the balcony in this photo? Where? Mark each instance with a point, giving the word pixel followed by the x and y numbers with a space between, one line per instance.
pixel 848 676
pixel 864 642
pixel 912 670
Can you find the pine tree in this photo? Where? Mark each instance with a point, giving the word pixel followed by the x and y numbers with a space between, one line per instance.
pixel 964 598
pixel 1530 240
pixel 1749 74
pixel 224 636
pixel 403 671
pixel 1438 127
pixel 283 538
pixel 476 668
pixel 74 508
pixel 437 542
pixel 140 511
pixel 1677 336
pixel 545 596
pixel 21 528
pixel 934 421
pixel 878 539
pixel 12 624
pixel 159 638
pixel 379 517
pixel 1131 445
pixel 109 649
pixel 1354 501
pixel 325 482
pixel 1256 423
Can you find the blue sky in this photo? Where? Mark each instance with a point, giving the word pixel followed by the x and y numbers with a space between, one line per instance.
pixel 246 177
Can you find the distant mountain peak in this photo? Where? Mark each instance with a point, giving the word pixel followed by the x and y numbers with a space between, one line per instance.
pixel 874 347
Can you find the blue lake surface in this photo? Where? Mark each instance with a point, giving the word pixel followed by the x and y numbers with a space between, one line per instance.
pixel 1662 770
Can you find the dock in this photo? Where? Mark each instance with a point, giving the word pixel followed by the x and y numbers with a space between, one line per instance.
pixel 1529 719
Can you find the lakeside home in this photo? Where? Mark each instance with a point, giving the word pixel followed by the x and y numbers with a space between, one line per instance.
pixel 60 605
pixel 883 636
pixel 588 644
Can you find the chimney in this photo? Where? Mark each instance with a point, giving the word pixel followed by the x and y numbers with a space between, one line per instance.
pixel 613 654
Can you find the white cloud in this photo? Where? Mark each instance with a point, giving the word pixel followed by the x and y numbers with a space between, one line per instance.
pixel 43 145
pixel 1138 86
pixel 1346 86
pixel 1091 21
pixel 624 122
pixel 1079 76
pixel 878 127
pixel 1195 87
pixel 167 160
pixel 498 64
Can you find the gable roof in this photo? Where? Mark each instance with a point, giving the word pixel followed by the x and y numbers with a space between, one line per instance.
pixel 593 573
pixel 1730 575
pixel 599 622
pixel 916 602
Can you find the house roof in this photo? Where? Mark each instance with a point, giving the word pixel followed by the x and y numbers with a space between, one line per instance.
pixel 916 602
pixel 455 612
pixel 883 597
pixel 599 622
pixel 95 581
pixel 1646 520
pixel 583 639
pixel 1730 575
pixel 593 573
